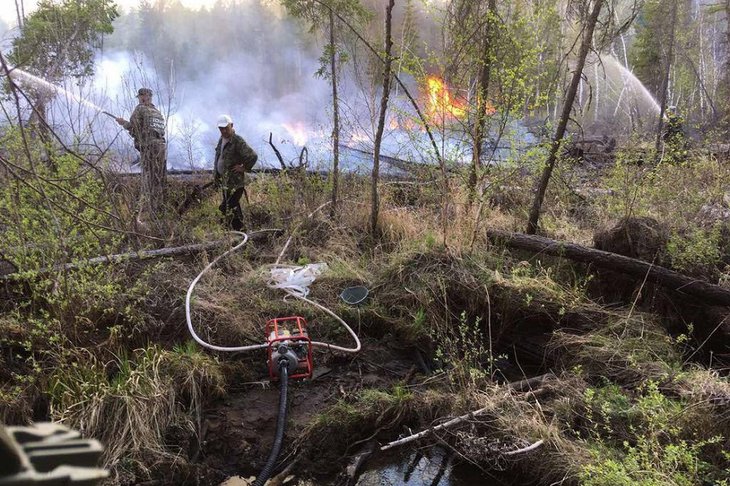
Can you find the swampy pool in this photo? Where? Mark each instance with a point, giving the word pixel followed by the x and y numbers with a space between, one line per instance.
pixel 435 466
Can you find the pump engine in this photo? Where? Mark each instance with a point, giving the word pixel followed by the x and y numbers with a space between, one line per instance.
pixel 288 341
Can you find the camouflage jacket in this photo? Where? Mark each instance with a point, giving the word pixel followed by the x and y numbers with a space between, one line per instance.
pixel 146 125
pixel 236 152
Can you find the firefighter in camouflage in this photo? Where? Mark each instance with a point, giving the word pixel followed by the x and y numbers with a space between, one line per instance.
pixel 147 128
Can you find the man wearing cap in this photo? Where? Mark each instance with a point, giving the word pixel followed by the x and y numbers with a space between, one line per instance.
pixel 147 128
pixel 233 158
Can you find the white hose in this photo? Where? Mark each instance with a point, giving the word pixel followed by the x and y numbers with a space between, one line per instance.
pixel 197 338
pixel 294 280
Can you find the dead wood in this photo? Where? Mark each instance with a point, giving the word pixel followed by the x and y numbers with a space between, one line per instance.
pixel 276 151
pixel 196 195
pixel 281 478
pixel 432 430
pixel 702 290
pixel 357 462
pixel 529 448
pixel 529 384
pixel 134 256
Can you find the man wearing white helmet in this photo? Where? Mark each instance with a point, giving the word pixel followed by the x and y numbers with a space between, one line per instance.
pixel 233 158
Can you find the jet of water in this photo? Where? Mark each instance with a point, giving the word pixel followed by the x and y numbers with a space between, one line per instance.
pixel 631 83
pixel 49 88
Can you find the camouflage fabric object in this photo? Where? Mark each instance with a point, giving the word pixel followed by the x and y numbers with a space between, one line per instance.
pixel 236 152
pixel 146 125
pixel 147 128
pixel 153 158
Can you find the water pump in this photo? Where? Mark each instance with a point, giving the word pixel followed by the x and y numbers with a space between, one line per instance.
pixel 288 343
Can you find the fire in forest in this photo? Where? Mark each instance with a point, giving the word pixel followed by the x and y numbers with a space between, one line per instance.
pixel 441 104
pixel 298 133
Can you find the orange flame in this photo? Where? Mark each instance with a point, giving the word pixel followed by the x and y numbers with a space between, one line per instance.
pixel 297 133
pixel 440 101
pixel 402 123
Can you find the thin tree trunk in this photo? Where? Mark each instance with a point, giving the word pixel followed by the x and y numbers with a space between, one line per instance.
pixel 381 118
pixel 727 63
pixel 665 80
pixel 698 76
pixel 482 92
pixel 413 102
pixel 20 12
pixel 597 104
pixel 335 117
pixel 727 34
pixel 590 26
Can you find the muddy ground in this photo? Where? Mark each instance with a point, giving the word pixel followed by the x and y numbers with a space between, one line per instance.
pixel 238 431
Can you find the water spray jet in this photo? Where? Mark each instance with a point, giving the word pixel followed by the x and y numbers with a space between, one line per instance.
pixel 49 88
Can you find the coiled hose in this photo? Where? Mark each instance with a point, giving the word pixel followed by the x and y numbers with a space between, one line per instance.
pixel 290 288
pixel 280 426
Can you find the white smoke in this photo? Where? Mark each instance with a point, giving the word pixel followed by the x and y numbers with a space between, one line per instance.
pixel 249 61
pixel 235 87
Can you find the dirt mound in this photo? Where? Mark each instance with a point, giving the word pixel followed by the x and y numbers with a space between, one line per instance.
pixel 643 238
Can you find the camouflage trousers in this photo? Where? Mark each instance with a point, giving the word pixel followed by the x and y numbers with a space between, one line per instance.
pixel 153 159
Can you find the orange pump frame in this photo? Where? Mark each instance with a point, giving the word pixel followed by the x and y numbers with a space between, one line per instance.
pixel 294 331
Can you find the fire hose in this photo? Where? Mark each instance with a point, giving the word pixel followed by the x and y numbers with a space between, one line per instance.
pixel 293 280
pixel 265 473
pixel 189 295
pixel 285 277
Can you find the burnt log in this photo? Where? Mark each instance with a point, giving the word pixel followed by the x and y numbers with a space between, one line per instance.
pixel 699 289
pixel 195 197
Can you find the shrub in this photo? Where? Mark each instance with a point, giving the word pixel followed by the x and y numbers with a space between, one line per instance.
pixel 655 454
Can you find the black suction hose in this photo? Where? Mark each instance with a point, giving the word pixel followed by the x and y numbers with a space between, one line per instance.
pixel 280 426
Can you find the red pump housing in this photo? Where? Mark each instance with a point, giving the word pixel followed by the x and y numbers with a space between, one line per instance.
pixel 288 340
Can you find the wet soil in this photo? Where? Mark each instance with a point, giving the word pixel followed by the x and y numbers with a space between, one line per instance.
pixel 238 431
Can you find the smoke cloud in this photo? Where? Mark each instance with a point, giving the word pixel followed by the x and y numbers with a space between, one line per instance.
pixel 252 61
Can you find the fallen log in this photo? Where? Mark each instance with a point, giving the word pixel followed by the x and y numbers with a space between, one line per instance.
pixel 528 384
pixel 453 422
pixel 700 289
pixel 132 256
pixel 432 430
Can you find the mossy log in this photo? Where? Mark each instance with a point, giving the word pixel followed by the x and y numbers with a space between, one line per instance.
pixel 704 291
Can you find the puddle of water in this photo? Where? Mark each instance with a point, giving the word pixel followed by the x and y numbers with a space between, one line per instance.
pixel 433 467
